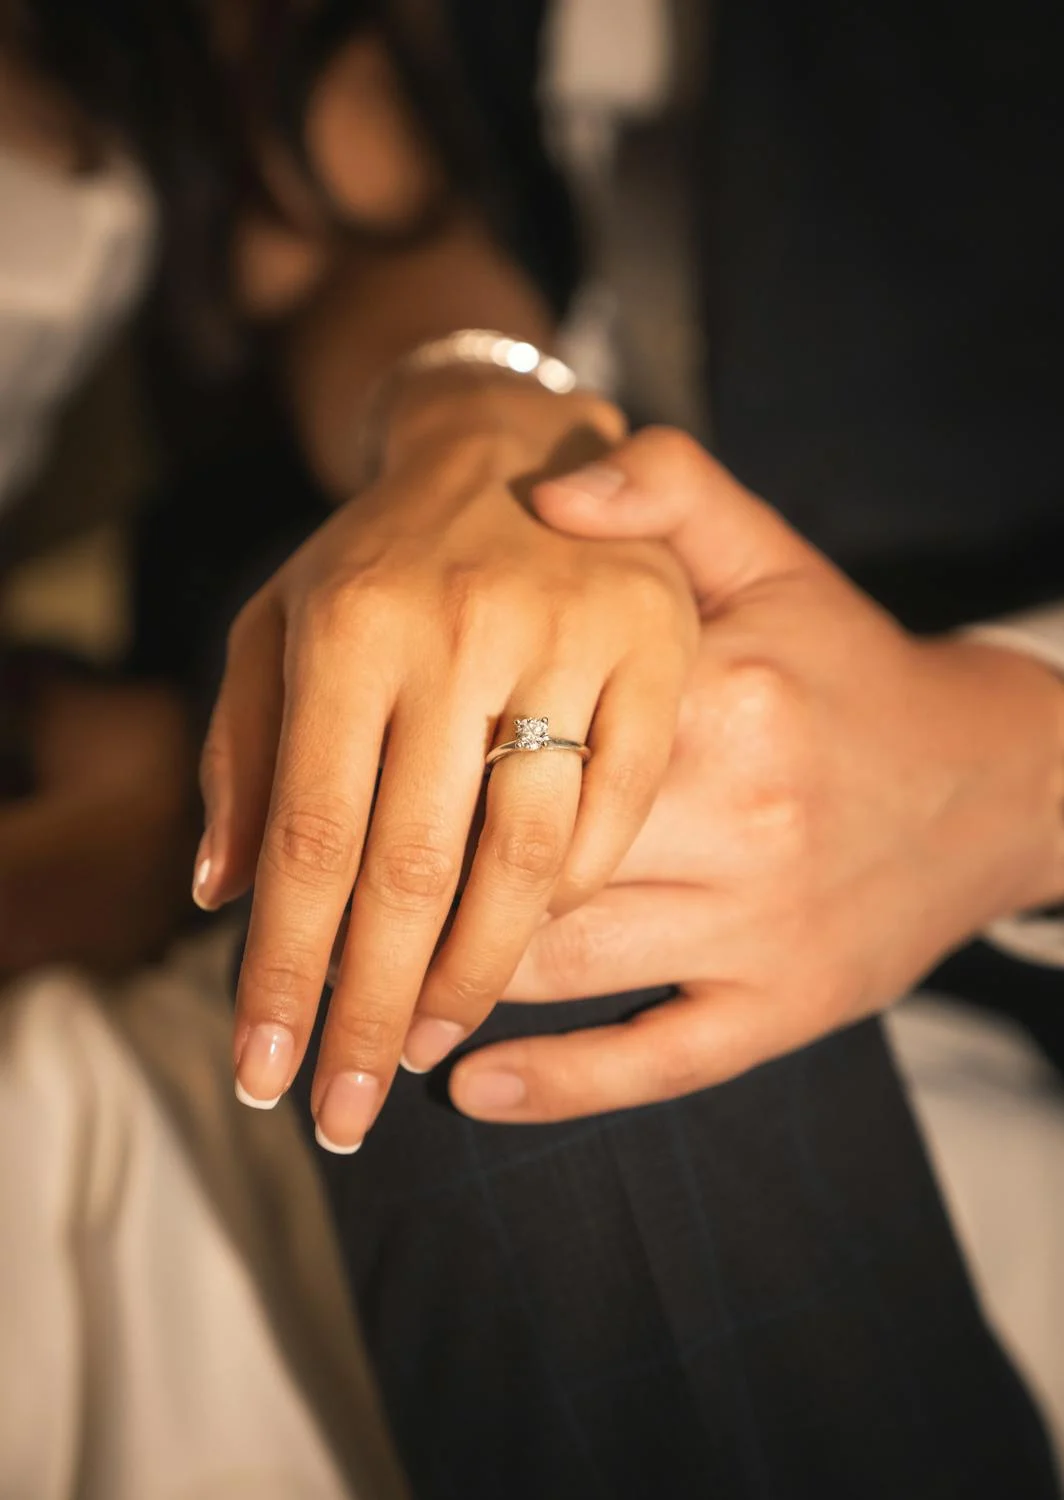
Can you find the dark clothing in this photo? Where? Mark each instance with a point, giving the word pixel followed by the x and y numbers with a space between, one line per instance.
pixel 753 1292
pixel 882 215
pixel 749 1293
pixel 883 249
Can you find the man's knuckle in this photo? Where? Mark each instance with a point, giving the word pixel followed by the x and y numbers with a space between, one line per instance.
pixel 780 816
pixel 761 713
pixel 763 694
pixel 768 747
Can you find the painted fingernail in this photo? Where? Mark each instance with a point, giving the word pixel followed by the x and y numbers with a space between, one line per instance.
pixel 346 1112
pixel 428 1042
pixel 202 885
pixel 489 1094
pixel 264 1070
pixel 597 480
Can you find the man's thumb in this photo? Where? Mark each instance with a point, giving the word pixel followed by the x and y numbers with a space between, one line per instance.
pixel 661 483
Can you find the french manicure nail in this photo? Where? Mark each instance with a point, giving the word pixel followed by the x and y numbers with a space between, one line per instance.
pixel 428 1042
pixel 202 889
pixel 264 1070
pixel 327 1145
pixel 489 1094
pixel 347 1110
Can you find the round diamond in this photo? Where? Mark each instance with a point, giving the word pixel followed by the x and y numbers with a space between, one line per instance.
pixel 531 734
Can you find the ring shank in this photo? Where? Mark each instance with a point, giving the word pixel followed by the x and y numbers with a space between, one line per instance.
pixel 512 747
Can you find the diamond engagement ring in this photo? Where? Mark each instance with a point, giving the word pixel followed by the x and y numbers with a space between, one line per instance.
pixel 534 734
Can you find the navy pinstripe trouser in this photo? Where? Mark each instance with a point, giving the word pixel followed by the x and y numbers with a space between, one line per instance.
pixel 750 1293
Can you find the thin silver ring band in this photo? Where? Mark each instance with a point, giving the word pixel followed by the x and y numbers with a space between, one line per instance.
pixel 532 735
pixel 513 748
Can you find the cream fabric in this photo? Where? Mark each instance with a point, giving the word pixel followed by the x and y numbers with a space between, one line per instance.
pixel 992 1111
pixel 1038 633
pixel 174 1321
pixel 158 1343
pixel 609 55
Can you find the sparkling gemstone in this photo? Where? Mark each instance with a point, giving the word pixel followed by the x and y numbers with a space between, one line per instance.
pixel 531 734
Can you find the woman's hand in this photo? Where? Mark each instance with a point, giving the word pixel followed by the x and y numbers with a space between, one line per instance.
pixel 92 864
pixel 403 639
pixel 844 805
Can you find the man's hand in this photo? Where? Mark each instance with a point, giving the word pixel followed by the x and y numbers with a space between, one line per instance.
pixel 844 805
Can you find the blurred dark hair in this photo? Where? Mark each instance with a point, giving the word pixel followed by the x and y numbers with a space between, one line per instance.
pixel 151 72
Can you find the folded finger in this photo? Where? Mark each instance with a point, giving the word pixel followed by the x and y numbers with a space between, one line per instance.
pixel 709 1034
pixel 625 938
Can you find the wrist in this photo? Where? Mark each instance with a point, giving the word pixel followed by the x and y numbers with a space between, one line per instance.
pixel 519 426
pixel 1005 717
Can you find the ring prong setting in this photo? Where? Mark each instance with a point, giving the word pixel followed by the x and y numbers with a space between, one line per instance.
pixel 534 734
pixel 531 734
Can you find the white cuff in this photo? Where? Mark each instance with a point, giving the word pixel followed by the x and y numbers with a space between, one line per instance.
pixel 1039 634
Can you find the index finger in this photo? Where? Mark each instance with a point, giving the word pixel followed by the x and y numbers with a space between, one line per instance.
pixel 708 1034
pixel 326 771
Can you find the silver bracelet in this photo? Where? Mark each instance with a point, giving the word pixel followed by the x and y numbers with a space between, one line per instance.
pixel 483 347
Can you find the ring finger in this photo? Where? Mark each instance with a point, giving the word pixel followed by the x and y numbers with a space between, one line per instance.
pixel 530 813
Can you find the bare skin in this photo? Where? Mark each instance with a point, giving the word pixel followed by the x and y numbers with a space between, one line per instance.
pixel 844 805
pixel 841 805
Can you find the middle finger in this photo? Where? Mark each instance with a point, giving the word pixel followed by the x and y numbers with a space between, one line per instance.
pixel 429 786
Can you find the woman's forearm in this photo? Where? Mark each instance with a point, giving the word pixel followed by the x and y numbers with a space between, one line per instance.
pixel 377 305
